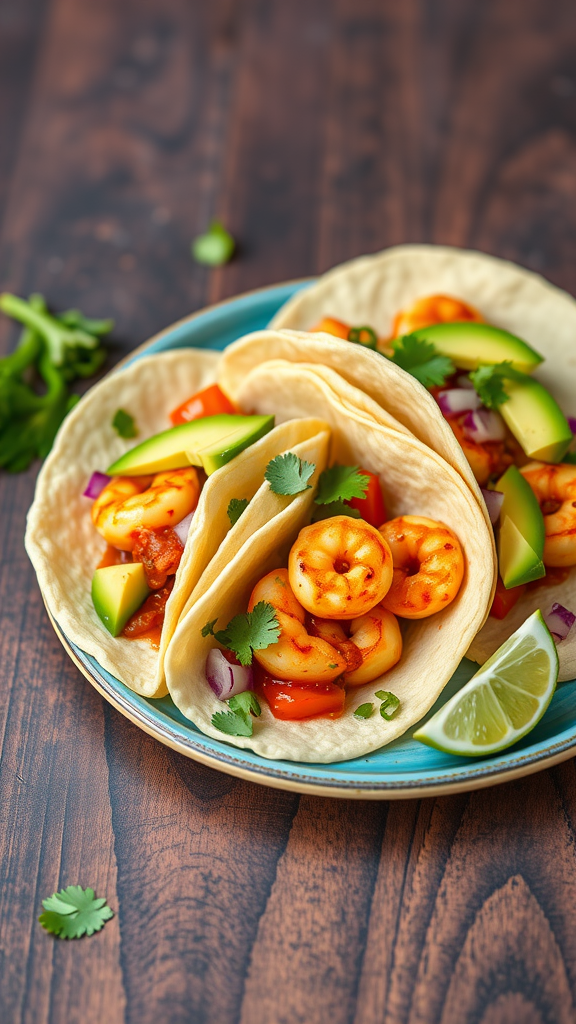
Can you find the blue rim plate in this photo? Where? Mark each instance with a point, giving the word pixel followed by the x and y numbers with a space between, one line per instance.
pixel 402 769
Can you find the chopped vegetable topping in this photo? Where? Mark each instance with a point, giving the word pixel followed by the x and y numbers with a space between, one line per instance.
pixel 209 402
pixel 390 703
pixel 364 711
pixel 287 474
pixel 363 336
pixel 124 424
pixel 235 509
pixel 238 721
pixel 74 912
pixel 215 247
pixel 420 358
pixel 247 632
pixel 488 382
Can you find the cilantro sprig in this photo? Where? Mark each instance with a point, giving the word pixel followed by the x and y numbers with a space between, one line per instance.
pixel 74 912
pixel 238 721
pixel 287 474
pixel 336 486
pixel 124 424
pixel 420 358
pixel 235 509
pixel 247 632
pixel 489 382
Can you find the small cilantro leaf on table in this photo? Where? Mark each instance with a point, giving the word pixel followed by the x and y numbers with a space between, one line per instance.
pixel 287 474
pixel 124 424
pixel 489 382
pixel 74 912
pixel 341 483
pixel 215 247
pixel 420 358
pixel 235 509
pixel 247 632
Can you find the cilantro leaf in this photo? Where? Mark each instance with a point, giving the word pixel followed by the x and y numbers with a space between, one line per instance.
pixel 123 424
pixel 364 711
pixel 246 702
pixel 340 483
pixel 235 509
pixel 488 382
pixel 249 631
pixel 419 358
pixel 287 474
pixel 74 912
pixel 215 247
pixel 208 629
pixel 233 723
pixel 335 508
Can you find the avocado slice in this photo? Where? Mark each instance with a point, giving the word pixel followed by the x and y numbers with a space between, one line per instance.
pixel 117 592
pixel 470 345
pixel 521 535
pixel 536 420
pixel 209 442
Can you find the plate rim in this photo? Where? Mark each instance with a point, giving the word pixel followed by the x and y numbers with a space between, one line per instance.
pixel 266 775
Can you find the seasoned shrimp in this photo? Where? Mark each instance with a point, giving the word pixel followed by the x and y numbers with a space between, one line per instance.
pixel 128 504
pixel 433 309
pixel 428 566
pixel 372 644
pixel 296 655
pixel 555 488
pixel 340 568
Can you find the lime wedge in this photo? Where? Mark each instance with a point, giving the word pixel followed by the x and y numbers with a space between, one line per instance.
pixel 503 701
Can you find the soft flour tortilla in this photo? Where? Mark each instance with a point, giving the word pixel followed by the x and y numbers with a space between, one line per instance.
pixel 372 289
pixel 414 480
pixel 65 548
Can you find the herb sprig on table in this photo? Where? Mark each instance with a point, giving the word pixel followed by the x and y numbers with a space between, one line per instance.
pixel 53 351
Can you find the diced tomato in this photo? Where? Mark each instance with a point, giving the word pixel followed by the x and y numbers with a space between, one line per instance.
pixel 433 309
pixel 147 622
pixel 504 600
pixel 293 701
pixel 160 551
pixel 331 326
pixel 210 402
pixel 371 507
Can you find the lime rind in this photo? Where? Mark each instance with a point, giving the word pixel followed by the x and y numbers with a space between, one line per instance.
pixel 497 707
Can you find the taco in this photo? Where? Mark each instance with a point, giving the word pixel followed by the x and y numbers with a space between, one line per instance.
pixel 316 660
pixel 164 525
pixel 430 293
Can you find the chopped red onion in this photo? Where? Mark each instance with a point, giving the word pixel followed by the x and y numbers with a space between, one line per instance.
pixel 559 621
pixel 572 424
pixel 493 501
pixel 463 381
pixel 483 425
pixel 458 400
pixel 182 528
pixel 96 485
pixel 225 679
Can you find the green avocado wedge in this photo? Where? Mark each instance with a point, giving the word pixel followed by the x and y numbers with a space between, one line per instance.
pixel 470 345
pixel 209 442
pixel 117 592
pixel 521 534
pixel 536 420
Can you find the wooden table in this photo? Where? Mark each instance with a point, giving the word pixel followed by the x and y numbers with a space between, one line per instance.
pixel 316 130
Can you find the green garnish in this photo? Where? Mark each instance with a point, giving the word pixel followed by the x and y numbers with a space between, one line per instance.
pixel 570 457
pixel 390 703
pixel 238 721
pixel 363 336
pixel 215 247
pixel 124 424
pixel 364 711
pixel 235 509
pixel 74 912
pixel 287 474
pixel 53 353
pixel 335 508
pixel 340 483
pixel 247 632
pixel 420 358
pixel 489 382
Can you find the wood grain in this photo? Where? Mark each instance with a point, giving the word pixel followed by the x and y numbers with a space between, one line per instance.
pixel 316 130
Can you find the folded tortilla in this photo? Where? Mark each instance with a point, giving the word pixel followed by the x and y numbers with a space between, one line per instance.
pixel 63 544
pixel 372 290
pixel 415 480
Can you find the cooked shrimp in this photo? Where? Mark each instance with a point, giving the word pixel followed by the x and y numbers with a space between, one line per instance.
pixel 428 566
pixel 433 309
pixel 340 568
pixel 371 644
pixel 555 488
pixel 128 504
pixel 296 655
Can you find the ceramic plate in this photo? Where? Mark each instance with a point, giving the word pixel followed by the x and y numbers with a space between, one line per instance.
pixel 402 769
